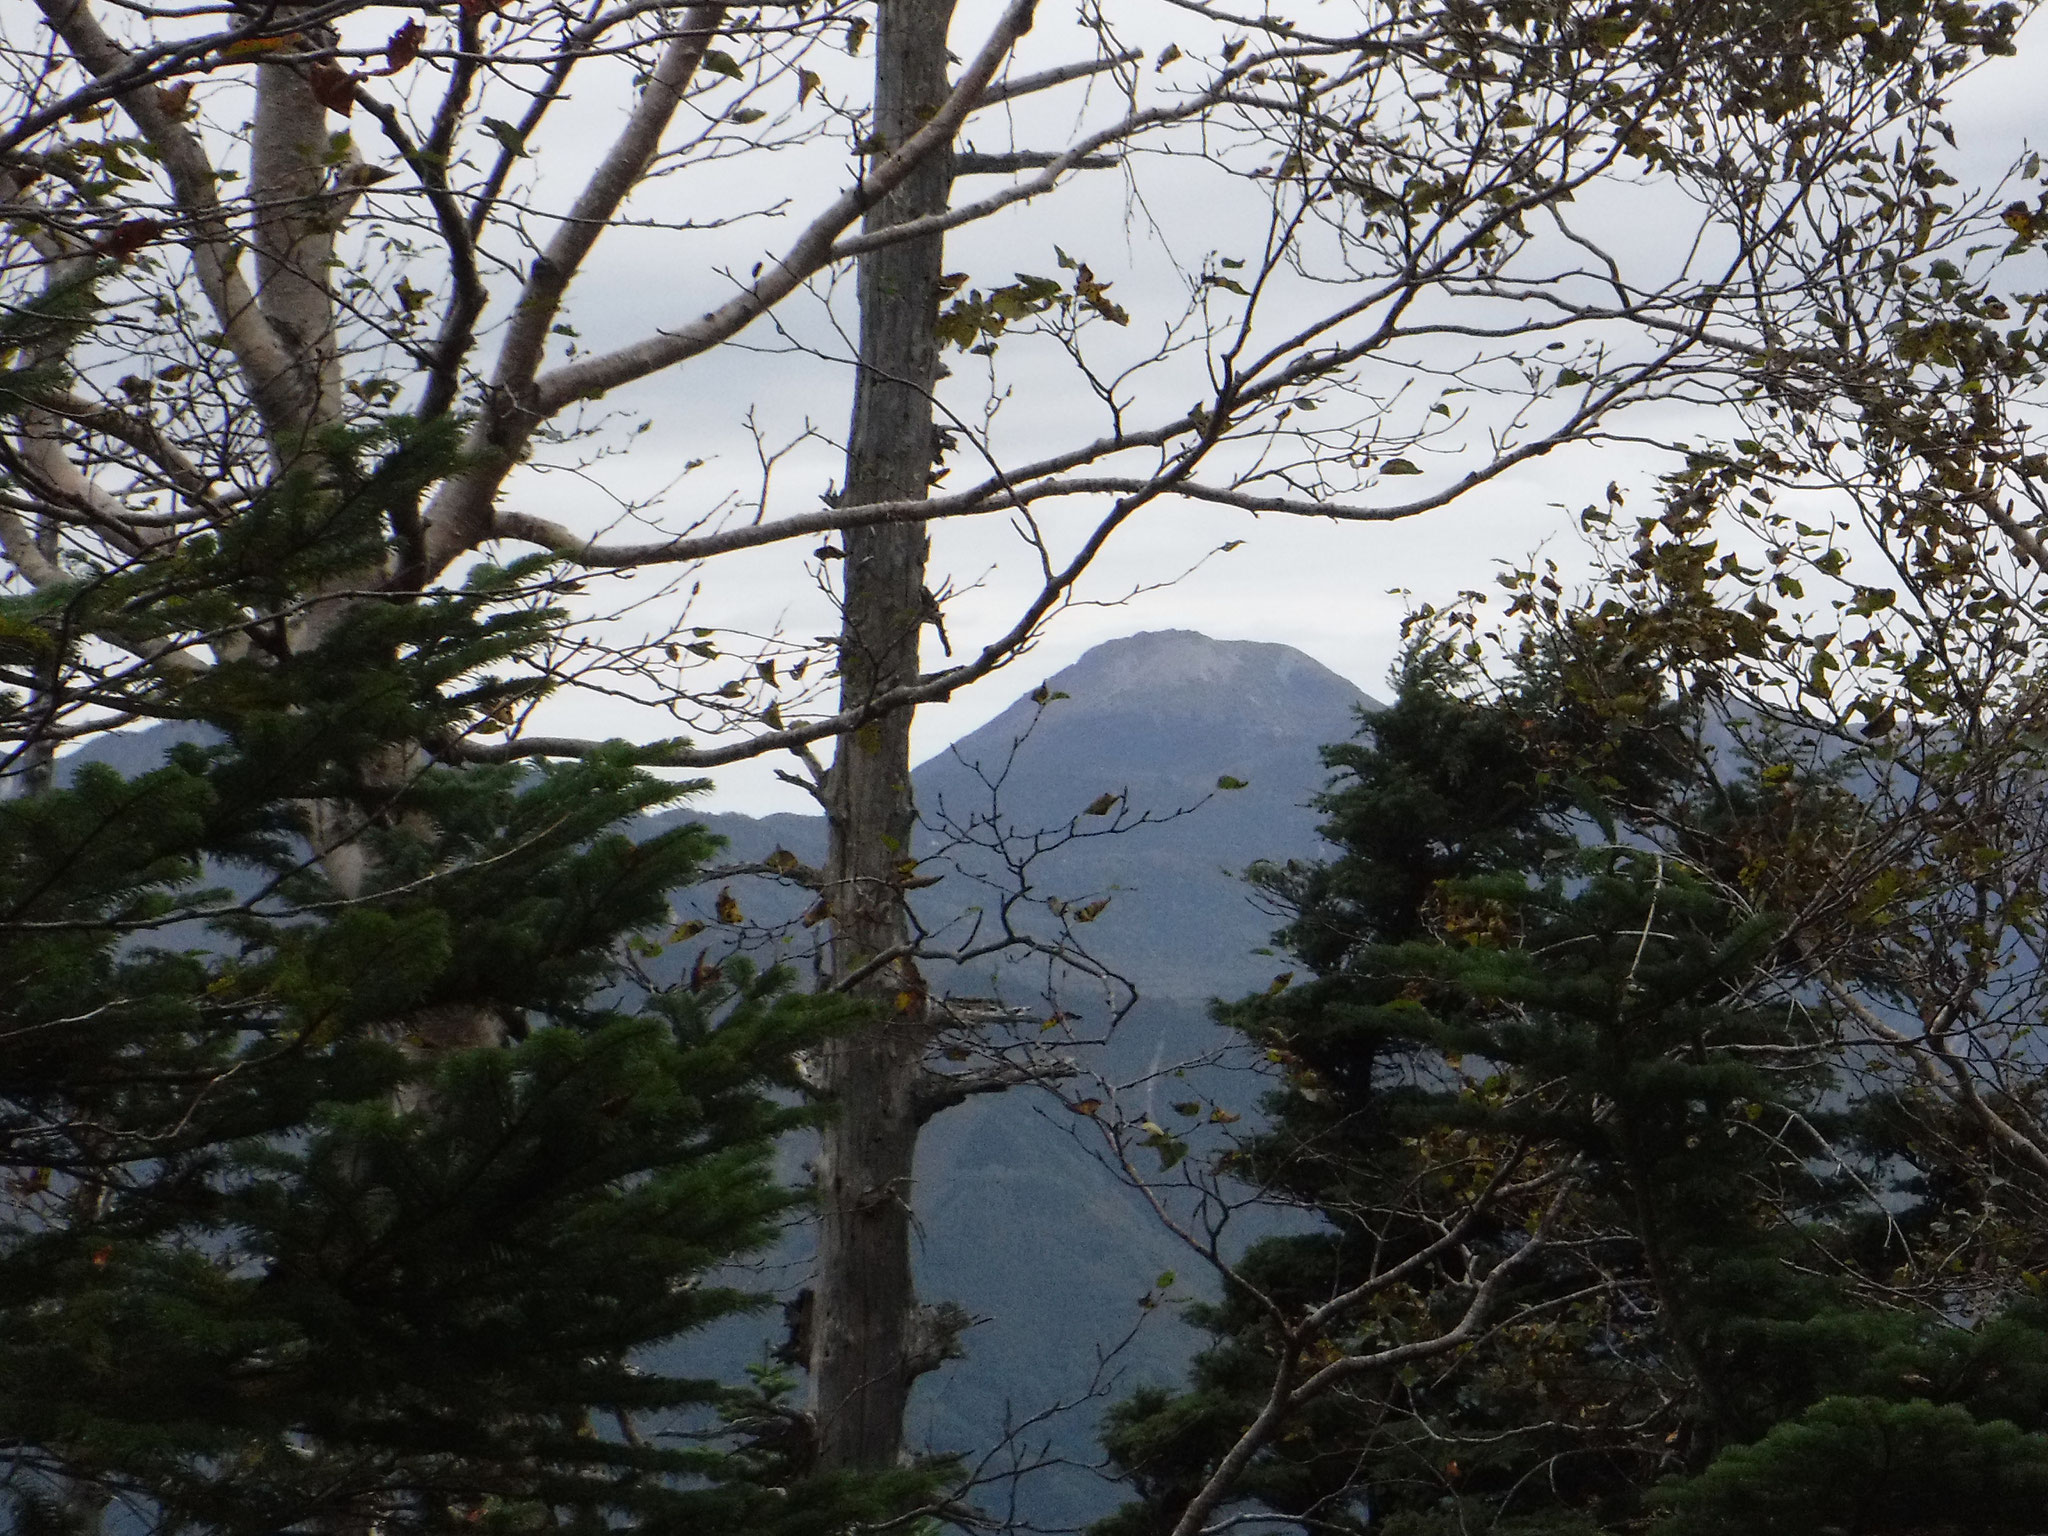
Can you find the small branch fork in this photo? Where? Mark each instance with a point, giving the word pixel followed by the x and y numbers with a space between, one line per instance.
pixel 521 399
pixel 1294 1388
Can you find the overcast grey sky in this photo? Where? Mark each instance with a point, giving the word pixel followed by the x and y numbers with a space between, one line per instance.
pixel 1324 588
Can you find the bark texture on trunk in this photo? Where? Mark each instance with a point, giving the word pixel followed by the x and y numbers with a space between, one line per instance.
pixel 861 1365
pixel 289 154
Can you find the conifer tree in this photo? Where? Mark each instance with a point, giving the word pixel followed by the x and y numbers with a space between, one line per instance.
pixel 1516 954
pixel 276 1256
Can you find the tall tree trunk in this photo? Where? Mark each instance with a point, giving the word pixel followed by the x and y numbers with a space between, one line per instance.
pixel 289 170
pixel 863 1299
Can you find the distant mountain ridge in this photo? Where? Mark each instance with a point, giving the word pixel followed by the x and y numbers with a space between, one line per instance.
pixel 1157 719
pixel 1019 1223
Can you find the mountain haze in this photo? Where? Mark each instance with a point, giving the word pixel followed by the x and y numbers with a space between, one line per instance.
pixel 1156 719
pixel 1019 1222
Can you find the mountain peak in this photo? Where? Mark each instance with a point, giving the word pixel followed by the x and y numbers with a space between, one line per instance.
pixel 1168 658
pixel 1260 689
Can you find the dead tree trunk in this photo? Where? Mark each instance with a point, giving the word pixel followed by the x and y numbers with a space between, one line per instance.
pixel 863 1302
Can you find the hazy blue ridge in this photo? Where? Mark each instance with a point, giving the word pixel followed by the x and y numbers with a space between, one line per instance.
pixel 1019 1222
pixel 1156 718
